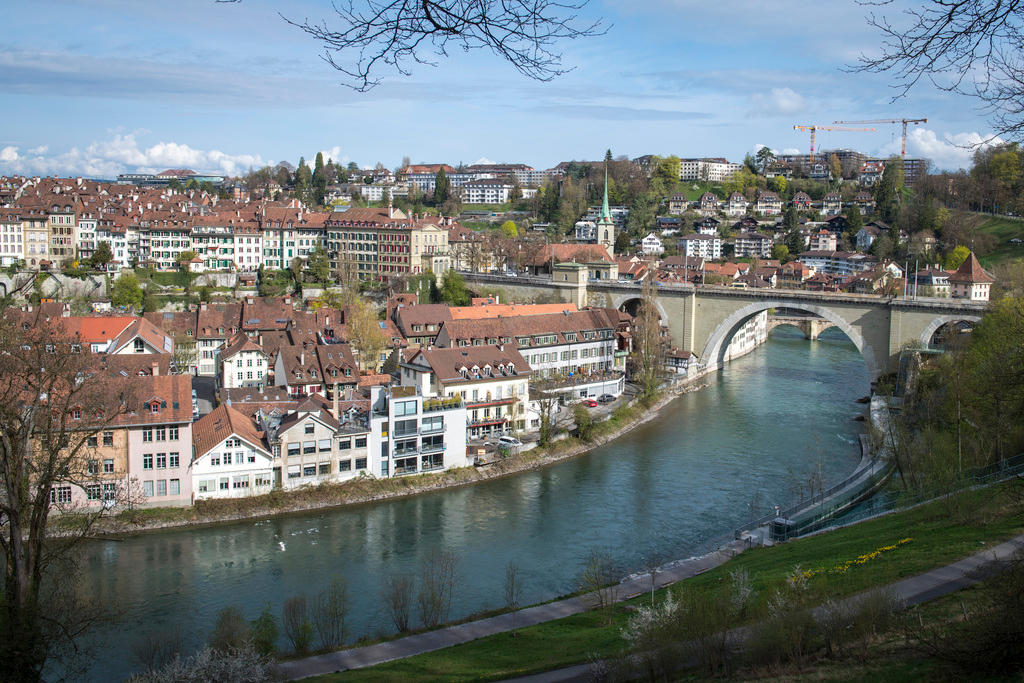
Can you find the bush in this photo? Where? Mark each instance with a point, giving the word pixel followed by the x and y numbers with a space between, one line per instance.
pixel 398 598
pixel 329 614
pixel 295 618
pixel 264 632
pixel 231 631
pixel 244 665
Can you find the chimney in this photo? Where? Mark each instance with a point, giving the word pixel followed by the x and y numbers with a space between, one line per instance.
pixel 335 405
pixel 156 369
pixel 302 358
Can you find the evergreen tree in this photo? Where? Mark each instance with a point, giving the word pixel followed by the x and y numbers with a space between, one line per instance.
pixel 854 222
pixel 790 220
pixel 102 256
pixel 888 189
pixel 442 187
pixel 319 179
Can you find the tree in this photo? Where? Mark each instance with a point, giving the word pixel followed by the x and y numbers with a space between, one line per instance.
pixel 365 334
pixel 442 187
pixel 780 252
pixel 584 421
pixel 185 257
pixel 516 193
pixel 509 229
pixel 888 189
pixel 648 349
pixel 303 176
pixel 264 632
pixel 55 405
pixel 513 587
pixel 319 179
pixel 398 598
pixel 956 258
pixel 971 48
pixel 835 166
pixel 295 620
pixel 437 587
pixel 854 222
pixel 102 256
pixel 318 265
pixel 330 612
pixel 546 400
pixel 453 289
pixel 790 219
pixel 126 292
pixel 621 242
pixel 373 36
pixel 795 241
pixel 149 301
pixel 765 158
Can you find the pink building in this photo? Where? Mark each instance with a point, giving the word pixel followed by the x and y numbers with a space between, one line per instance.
pixel 160 441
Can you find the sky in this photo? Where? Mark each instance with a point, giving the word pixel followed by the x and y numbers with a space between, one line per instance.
pixel 102 87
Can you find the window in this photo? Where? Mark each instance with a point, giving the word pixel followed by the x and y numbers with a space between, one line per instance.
pixel 174 487
pixel 324 468
pixel 110 491
pixel 344 465
pixel 309 471
pixel 161 461
pixel 147 461
pixel 227 458
pixel 308 447
pixel 161 434
pixel 403 427
pixel 215 459
pixel 309 429
pixel 172 433
pixel 173 460
pixel 360 463
pixel 147 436
pixel 433 424
pixel 405 408
pixel 60 494
pixel 92 491
pixel 93 467
pixel 223 485
pixel 108 466
pixel 262 480
pixel 91 442
pixel 323 445
pixel 360 442
pixel 147 488
pixel 108 438
pixel 294 471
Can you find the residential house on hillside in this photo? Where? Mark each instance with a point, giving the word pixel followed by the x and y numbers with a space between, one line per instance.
pixel 707 226
pixel 929 282
pixel 832 204
pixel 652 245
pixel 244 363
pixel 701 246
pixel 709 203
pixel 768 204
pixel 678 204
pixel 737 205
pixel 865 202
pixel 823 240
pixel 802 201
pixel 870 173
pixel 793 274
pixel 867 235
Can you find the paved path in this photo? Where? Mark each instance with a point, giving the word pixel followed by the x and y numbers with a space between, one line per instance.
pixel 421 643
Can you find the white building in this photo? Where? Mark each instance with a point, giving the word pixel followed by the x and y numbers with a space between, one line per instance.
pixel 12 245
pixel 736 205
pixel 702 246
pixel 753 244
pixel 970 281
pixel 229 457
pixel 710 170
pixel 244 364
pixel 493 382
pixel 652 245
pixel 411 433
pixel 487 191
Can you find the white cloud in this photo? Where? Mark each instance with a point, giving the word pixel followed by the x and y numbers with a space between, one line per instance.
pixel 777 102
pixel 948 151
pixel 334 154
pixel 758 147
pixel 122 153
pixel 791 150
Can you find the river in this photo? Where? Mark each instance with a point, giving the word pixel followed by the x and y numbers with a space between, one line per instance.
pixel 673 488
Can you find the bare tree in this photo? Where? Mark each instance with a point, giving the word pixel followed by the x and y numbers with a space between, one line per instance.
pixel 155 649
pixel 370 36
pixel 398 598
pixel 546 400
pixel 598 579
pixel 972 47
pixel 365 335
pixel 55 403
pixel 648 345
pixel 330 612
pixel 295 620
pixel 437 587
pixel 513 589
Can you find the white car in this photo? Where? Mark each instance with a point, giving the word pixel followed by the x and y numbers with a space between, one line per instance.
pixel 509 441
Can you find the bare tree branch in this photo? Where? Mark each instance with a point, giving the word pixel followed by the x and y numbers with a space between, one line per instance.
pixel 970 47
pixel 371 36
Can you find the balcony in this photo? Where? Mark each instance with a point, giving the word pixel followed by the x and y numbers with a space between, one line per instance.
pixel 433 405
pixel 484 421
pixel 487 403
pixel 432 448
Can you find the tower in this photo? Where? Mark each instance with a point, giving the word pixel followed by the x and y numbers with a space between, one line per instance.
pixel 605 224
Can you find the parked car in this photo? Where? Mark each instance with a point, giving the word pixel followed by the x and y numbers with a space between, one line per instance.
pixel 509 441
pixel 589 402
pixel 605 398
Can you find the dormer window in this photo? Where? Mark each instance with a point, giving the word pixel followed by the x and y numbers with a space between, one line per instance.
pixel 154 407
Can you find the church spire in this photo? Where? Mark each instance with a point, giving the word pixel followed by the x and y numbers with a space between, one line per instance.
pixel 605 211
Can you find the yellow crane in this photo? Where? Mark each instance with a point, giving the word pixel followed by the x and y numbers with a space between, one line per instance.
pixel 813 129
pixel 903 137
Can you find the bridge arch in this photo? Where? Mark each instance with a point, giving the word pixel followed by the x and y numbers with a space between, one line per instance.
pixel 629 304
pixel 931 328
pixel 718 341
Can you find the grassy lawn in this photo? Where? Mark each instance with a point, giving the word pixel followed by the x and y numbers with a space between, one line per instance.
pixel 938 538
pixel 1003 229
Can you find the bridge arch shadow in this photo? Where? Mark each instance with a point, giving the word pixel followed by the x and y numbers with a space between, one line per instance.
pixel 940 330
pixel 632 306
pixel 718 341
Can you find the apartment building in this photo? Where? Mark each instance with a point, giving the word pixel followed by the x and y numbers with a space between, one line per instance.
pixel 752 244
pixel 411 433
pixel 708 170
pixel 701 246
pixel 492 381
pixel 12 242
pixel 230 457
pixel 382 243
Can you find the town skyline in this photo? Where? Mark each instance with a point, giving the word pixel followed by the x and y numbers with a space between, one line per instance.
pixel 154 93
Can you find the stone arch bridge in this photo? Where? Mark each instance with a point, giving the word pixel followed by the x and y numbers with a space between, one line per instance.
pixel 704 319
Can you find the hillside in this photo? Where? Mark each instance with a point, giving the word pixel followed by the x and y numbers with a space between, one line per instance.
pixel 1003 229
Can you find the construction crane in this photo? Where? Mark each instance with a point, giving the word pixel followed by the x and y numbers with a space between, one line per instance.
pixel 813 129
pixel 903 138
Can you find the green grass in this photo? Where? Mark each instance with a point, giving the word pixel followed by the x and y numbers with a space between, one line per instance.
pixel 939 538
pixel 1003 229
